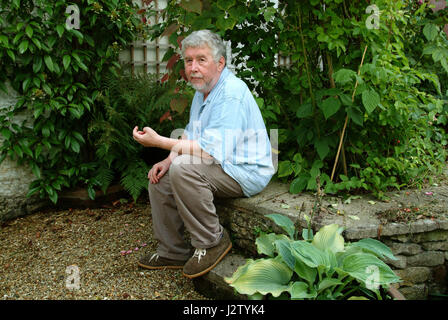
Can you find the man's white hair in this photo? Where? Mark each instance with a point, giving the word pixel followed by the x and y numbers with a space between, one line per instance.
pixel 201 38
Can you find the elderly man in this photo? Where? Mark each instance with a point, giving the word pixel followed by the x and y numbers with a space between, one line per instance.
pixel 224 152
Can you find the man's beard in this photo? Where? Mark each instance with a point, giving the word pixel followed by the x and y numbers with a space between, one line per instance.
pixel 205 87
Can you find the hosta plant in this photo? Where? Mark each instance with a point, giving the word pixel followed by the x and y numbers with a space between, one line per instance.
pixel 321 266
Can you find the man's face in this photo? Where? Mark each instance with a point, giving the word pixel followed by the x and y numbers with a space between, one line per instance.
pixel 201 70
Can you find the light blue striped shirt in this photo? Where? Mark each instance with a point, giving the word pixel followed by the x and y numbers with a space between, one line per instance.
pixel 228 125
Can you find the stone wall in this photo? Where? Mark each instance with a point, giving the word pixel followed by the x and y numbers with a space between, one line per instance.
pixel 422 262
pixel 14 179
pixel 420 245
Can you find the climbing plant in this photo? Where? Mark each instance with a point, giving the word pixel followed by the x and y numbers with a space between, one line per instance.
pixel 56 55
pixel 359 103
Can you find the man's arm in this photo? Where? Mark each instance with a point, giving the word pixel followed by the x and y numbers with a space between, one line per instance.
pixel 150 138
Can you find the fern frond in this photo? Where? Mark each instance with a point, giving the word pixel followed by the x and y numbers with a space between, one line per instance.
pixel 134 178
pixel 104 176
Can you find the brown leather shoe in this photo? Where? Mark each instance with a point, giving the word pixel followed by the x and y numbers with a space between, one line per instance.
pixel 155 262
pixel 204 260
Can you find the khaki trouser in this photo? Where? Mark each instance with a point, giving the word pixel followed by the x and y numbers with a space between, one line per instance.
pixel 183 198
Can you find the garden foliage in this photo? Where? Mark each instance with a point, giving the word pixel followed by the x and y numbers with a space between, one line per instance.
pixel 383 90
pixel 60 74
pixel 319 267
pixel 375 78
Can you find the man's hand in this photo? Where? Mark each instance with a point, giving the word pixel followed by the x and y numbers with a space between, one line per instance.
pixel 158 170
pixel 147 138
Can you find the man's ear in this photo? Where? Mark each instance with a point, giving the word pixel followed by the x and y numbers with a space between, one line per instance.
pixel 221 64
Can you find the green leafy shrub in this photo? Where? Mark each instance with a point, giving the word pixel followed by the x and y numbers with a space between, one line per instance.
pixel 322 266
pixel 58 72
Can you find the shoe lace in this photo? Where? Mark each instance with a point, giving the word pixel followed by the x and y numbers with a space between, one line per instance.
pixel 155 255
pixel 199 253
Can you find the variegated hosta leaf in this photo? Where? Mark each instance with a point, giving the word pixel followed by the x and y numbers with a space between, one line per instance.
pixel 263 276
pixel 299 290
pixel 284 222
pixel 376 247
pixel 311 255
pixel 357 298
pixel 265 243
pixel 329 237
pixel 305 272
pixel 283 249
pixel 369 269
pixel 328 283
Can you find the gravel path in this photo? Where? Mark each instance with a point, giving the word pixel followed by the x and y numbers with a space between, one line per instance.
pixel 85 254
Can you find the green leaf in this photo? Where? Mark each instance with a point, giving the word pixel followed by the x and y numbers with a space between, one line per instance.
pixel 344 76
pixel 284 168
pixel 225 4
pixel 370 100
pixel 4 40
pixel 83 66
pixel 60 30
pixel 310 255
pixel 46 88
pixel 328 283
pixel 192 5
pixel 322 147
pixel 53 197
pixel 299 290
pixel 26 84
pixel 224 23
pixel 444 63
pixel 376 247
pixel 91 192
pixel 78 136
pixel 6 133
pixel 438 55
pixel 346 100
pixel 265 243
pixel 29 31
pixel 355 115
pixel 299 184
pixel 329 238
pixel 23 46
pixel 284 222
pixel 37 65
pixel 367 268
pixel 37 43
pixel 75 145
pixel 49 63
pixel 269 13
pixel 33 191
pixel 305 272
pixel 18 151
pixel 11 55
pixel 263 276
pixel 330 106
pixel 304 111
pixel 430 31
pixel 284 251
pixel 66 61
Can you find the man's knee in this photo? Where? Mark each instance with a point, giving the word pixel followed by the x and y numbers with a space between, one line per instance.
pixel 182 167
pixel 155 188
